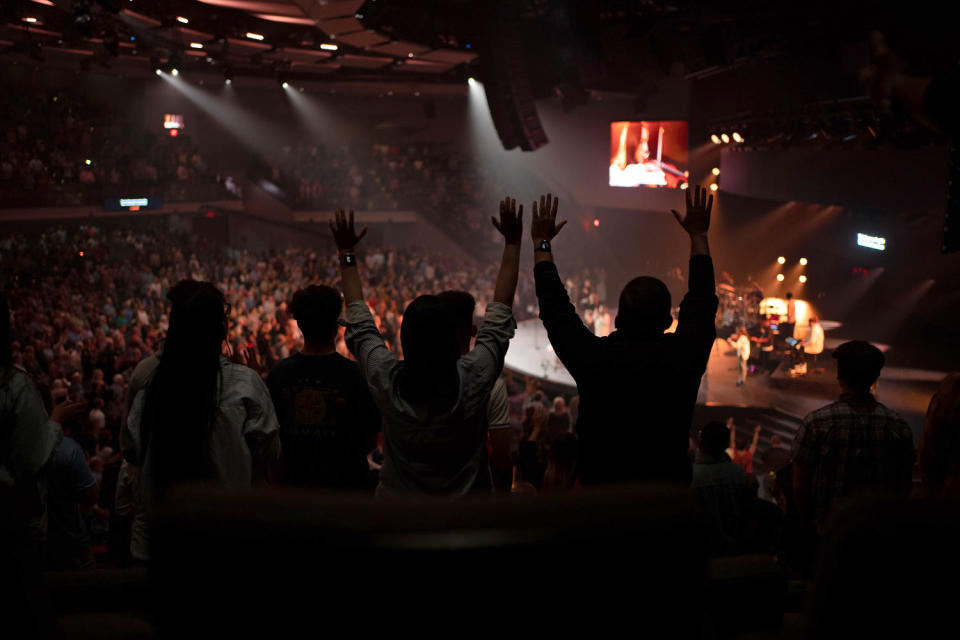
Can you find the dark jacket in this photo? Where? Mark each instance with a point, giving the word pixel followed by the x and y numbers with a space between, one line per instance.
pixel 636 391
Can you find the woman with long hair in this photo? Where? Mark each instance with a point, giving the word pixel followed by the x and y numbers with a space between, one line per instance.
pixel 939 451
pixel 201 419
pixel 434 402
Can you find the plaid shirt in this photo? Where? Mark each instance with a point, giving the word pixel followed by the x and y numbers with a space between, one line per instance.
pixel 855 444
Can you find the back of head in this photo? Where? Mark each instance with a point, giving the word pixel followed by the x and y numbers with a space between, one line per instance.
pixel 714 439
pixel 644 307
pixel 462 306
pixel 181 399
pixel 789 296
pixel 316 309
pixel 858 364
pixel 430 349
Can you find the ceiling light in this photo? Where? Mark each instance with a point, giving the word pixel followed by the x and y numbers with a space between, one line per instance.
pixel 714 187
pixel 174 72
pixel 725 138
pixel 182 19
pixel 779 277
pixel 716 171
pixel 196 45
pixel 254 36
pixel 715 139
pixel 803 262
pixel 781 260
pixel 737 137
pixel 329 47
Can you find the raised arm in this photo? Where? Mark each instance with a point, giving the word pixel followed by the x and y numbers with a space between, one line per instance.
pixel 756 439
pixel 510 225
pixel 377 362
pixel 699 307
pixel 571 340
pixel 347 239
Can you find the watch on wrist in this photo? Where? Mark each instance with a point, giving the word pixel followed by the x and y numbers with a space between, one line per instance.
pixel 348 260
pixel 543 245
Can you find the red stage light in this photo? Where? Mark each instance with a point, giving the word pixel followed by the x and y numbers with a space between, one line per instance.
pixel 210 214
pixel 596 222
pixel 81 254
pixel 174 133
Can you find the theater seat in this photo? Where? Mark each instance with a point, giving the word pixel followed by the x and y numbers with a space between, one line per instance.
pixel 888 569
pixel 234 562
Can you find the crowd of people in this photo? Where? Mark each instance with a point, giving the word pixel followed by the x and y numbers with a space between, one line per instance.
pixel 136 360
pixel 64 149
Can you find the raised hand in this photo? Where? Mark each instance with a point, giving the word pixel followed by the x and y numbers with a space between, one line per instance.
pixel 343 232
pixel 697 220
pixel 510 224
pixel 544 225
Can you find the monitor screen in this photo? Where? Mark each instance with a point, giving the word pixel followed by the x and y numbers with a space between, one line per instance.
pixel 648 153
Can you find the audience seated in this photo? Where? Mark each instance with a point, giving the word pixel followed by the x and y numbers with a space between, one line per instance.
pixel 328 423
pixel 724 495
pixel 638 386
pixel 854 445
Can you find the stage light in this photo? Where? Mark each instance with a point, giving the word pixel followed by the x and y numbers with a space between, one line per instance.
pixel 779 277
pixel 329 47
pixel 715 139
pixel 714 187
pixel 725 138
pixel 470 80
pixel 285 85
pixel 196 45
pixel 781 260
pixel 596 222
pixel 157 71
pixel 254 36
pixel 30 20
pixel 716 171
pixel 803 262
pixel 183 20
pixel 737 137
pixel 88 162
pixel 410 55
pixel 803 279
pixel 174 133
pixel 81 254
pixel 174 72
pixel 228 81
pixel 684 186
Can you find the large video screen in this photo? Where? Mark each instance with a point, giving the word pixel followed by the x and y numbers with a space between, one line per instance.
pixel 648 153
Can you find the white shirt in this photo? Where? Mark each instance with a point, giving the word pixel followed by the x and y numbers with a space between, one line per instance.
pixel 245 434
pixel 743 347
pixel 814 344
pixel 447 454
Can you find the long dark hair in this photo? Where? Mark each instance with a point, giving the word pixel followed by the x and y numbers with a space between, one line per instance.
pixel 430 349
pixel 181 401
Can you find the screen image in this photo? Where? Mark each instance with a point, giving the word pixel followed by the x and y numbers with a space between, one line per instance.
pixel 648 153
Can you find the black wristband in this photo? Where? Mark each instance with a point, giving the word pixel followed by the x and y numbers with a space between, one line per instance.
pixel 543 245
pixel 348 259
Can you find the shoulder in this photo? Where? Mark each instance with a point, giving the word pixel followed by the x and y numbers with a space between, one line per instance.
pixel 69 450
pixel 895 420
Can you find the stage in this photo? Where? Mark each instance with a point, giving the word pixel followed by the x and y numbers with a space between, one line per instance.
pixel 904 390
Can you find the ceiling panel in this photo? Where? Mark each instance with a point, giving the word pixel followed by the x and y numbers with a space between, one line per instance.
pixel 342 25
pixel 450 56
pixel 424 66
pixel 400 48
pixel 364 62
pixel 363 39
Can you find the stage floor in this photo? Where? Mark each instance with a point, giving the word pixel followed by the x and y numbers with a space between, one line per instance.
pixel 906 391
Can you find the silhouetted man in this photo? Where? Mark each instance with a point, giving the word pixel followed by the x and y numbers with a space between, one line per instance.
pixel 638 386
pixel 328 422
pixel 853 445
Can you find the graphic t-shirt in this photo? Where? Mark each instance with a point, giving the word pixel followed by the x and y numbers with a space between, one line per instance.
pixel 328 422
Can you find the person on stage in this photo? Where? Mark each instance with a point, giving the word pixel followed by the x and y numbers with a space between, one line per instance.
pixel 638 385
pixel 741 341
